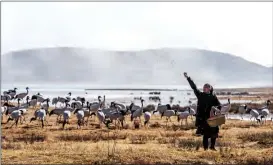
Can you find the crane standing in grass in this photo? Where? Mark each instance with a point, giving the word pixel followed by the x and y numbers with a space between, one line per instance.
pixel 22 95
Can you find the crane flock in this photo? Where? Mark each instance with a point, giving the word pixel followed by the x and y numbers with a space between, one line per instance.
pixel 105 113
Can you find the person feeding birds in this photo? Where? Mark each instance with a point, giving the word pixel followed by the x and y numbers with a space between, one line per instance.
pixel 205 101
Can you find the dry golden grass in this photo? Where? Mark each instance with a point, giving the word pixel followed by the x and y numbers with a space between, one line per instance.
pixel 241 142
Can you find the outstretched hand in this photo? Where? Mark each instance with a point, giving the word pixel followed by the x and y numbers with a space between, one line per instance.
pixel 186 75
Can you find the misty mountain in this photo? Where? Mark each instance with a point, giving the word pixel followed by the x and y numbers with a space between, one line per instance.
pixel 155 66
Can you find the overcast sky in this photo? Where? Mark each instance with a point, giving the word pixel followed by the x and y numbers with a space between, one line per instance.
pixel 241 28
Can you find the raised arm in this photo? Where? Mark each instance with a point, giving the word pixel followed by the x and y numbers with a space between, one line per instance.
pixel 193 86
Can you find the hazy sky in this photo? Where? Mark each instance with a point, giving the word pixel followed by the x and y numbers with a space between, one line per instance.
pixel 241 28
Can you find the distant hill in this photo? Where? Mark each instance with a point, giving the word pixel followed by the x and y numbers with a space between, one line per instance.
pixel 155 66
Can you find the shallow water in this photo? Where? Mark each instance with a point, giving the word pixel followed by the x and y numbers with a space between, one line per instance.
pixel 125 96
pixel 246 117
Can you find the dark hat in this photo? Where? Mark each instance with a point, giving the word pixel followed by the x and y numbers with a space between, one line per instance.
pixel 207 85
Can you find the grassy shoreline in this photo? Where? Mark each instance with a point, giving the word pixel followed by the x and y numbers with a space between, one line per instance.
pixel 241 142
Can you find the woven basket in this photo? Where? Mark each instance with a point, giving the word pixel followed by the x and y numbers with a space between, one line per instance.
pixel 216 120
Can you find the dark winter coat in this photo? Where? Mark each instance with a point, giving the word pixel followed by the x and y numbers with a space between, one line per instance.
pixel 205 102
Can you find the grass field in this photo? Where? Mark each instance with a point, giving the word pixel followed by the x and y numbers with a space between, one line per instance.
pixel 240 142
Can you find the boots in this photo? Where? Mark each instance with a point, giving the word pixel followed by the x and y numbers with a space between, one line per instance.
pixel 212 145
pixel 206 143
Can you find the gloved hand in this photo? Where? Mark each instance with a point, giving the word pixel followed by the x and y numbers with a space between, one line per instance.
pixel 186 75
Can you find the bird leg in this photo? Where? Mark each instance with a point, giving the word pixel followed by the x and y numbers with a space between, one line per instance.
pixel 16 122
pixel 115 123
pixel 23 120
pixel 42 123
pixel 64 123
pixel 12 125
pixel 119 124
pixel 61 116
pixel 46 122
pixel 79 123
pixel 86 122
pixel 94 118
pixel 57 120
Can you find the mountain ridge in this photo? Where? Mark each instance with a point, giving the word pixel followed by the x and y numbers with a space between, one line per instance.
pixel 126 51
pixel 154 66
